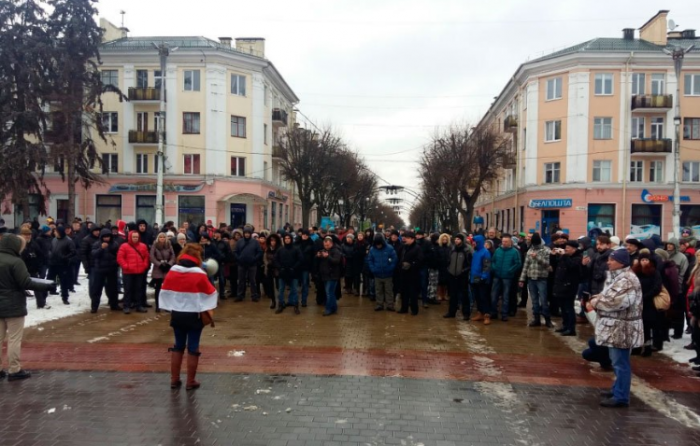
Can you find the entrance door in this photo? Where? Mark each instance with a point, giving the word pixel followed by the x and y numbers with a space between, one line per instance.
pixel 550 225
pixel 62 211
pixel 238 214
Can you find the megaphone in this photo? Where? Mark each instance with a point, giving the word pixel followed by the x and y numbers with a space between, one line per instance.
pixel 211 267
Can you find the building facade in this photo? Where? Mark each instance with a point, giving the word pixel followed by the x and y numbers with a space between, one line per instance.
pixel 226 109
pixel 592 128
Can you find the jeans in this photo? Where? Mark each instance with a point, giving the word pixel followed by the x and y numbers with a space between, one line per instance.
pixel 623 374
pixel 189 338
pixel 293 284
pixel 385 291
pixel 481 295
pixel 331 300
pixel 537 289
pixel 304 287
pixel 247 274
pixel 501 287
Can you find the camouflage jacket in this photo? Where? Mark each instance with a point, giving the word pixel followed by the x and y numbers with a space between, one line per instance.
pixel 619 308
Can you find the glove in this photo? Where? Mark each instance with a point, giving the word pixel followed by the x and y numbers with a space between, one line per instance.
pixel 405 266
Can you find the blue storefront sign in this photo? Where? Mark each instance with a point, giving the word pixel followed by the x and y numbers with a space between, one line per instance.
pixel 650 198
pixel 555 203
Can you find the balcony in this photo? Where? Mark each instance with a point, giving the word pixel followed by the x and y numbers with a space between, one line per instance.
pixel 652 103
pixel 148 137
pixel 279 118
pixel 652 146
pixel 509 160
pixel 144 94
pixel 510 124
pixel 277 152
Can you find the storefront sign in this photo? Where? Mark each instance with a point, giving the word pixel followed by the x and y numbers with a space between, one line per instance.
pixel 277 195
pixel 551 204
pixel 649 198
pixel 151 187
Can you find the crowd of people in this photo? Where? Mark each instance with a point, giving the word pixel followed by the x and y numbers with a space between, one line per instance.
pixel 650 284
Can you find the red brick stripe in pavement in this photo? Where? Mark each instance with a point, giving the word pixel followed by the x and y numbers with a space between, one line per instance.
pixel 524 369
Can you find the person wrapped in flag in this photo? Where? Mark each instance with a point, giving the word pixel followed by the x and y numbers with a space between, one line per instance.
pixel 187 293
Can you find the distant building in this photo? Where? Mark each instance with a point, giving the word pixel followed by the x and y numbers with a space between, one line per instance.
pixel 226 109
pixel 592 133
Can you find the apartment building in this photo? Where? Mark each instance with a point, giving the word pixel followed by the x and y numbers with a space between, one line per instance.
pixel 226 108
pixel 592 128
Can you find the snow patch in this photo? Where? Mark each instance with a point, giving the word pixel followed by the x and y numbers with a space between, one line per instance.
pixel 475 343
pixel 259 391
pixel 52 410
pixel 236 353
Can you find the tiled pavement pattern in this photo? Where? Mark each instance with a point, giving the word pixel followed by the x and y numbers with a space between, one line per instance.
pixel 102 408
pixel 357 378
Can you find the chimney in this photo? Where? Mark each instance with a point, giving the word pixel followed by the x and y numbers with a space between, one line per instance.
pixel 689 34
pixel 251 45
pixel 654 30
pixel 225 41
pixel 628 33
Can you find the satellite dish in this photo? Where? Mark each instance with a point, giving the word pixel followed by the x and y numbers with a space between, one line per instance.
pixel 672 25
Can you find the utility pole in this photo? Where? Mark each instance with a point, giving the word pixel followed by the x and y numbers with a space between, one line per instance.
pixel 677 54
pixel 163 51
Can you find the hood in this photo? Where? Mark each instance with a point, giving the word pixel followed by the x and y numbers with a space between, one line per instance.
pixel 128 237
pixel 12 244
pixel 142 222
pixel 479 241
pixel 649 244
pixel 674 242
pixel 121 225
pixel 106 232
pixel 584 243
pixel 379 238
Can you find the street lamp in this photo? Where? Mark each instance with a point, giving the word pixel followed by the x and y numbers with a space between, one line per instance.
pixel 677 54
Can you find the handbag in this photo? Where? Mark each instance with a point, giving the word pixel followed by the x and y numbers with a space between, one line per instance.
pixel 207 317
pixel 662 301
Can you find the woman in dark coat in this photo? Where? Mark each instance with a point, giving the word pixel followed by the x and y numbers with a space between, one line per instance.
pixel 650 280
pixel 442 254
pixel 162 258
pixel 270 270
pixel 669 278
pixel 352 270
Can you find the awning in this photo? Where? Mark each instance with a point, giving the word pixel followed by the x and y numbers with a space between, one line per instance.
pixel 256 199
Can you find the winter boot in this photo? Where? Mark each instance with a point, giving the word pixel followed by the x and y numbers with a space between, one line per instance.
pixel 175 366
pixel 192 363
pixel 477 317
pixel 487 319
pixel 548 322
pixel 536 322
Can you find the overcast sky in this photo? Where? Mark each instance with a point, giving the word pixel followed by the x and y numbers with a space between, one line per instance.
pixel 387 73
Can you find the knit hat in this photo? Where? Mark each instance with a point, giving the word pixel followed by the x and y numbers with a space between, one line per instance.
pixel 663 254
pixel 572 243
pixel 181 237
pixel 461 237
pixel 536 239
pixel 615 240
pixel 350 236
pixel 170 234
pixel 409 234
pixel 45 229
pixel 25 231
pixel 621 256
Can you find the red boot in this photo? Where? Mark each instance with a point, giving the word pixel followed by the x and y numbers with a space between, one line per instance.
pixel 192 363
pixel 175 366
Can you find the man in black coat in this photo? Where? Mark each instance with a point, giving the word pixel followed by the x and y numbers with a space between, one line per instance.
pixel 221 241
pixel 288 261
pixel 248 254
pixel 105 271
pixel 62 253
pixel 566 280
pixel 86 245
pixel 308 252
pixel 410 263
pixel 318 281
pixel 35 262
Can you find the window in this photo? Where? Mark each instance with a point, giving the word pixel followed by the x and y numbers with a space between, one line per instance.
pixel 266 101
pixel 602 216
pixel 191 80
pixel 658 83
pixel 604 84
pixel 238 126
pixel 191 209
pixel 108 207
pixel 637 127
pixel 602 171
pixel 656 171
pixel 237 166
pixel 110 77
pixel 141 78
pixel 554 88
pixel 110 163
pixel 636 171
pixel 657 128
pixel 265 134
pixel 141 163
pixel 33 202
pixel 690 218
pixel 146 208
pixel 646 220
pixel 691 128
pixel 142 121
pixel 158 78
pixel 238 84
pixel 692 85
pixel 191 165
pixel 552 131
pixel 190 123
pixel 551 172
pixel 602 128
pixel 110 122
pixel 638 83
pixel 691 171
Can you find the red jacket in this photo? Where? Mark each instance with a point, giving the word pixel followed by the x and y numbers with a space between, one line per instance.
pixel 133 257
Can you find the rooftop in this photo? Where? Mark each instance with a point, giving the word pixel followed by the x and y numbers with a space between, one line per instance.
pixel 615 44
pixel 146 43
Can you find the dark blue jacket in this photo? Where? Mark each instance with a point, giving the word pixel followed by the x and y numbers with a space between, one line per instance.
pixel 382 262
pixel 481 262
pixel 248 252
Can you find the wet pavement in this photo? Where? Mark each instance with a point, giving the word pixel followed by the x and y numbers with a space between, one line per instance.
pixel 358 378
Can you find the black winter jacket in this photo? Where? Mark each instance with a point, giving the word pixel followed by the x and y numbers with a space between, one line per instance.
pixel 86 250
pixel 288 260
pixel 329 267
pixel 308 251
pixel 105 260
pixel 411 261
pixel 248 252
pixel 62 251
pixel 599 269
pixel 567 275
pixel 33 258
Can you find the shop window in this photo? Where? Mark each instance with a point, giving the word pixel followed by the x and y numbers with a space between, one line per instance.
pixel 191 209
pixel 108 207
pixel 646 220
pixel 601 216
pixel 33 201
pixel 690 218
pixel 146 208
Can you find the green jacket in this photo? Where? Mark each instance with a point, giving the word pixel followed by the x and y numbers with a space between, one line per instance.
pixel 14 279
pixel 505 263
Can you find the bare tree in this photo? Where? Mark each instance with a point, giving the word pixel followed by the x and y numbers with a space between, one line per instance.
pixel 385 216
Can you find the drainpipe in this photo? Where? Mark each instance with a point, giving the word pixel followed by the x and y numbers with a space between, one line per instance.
pixel 626 144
